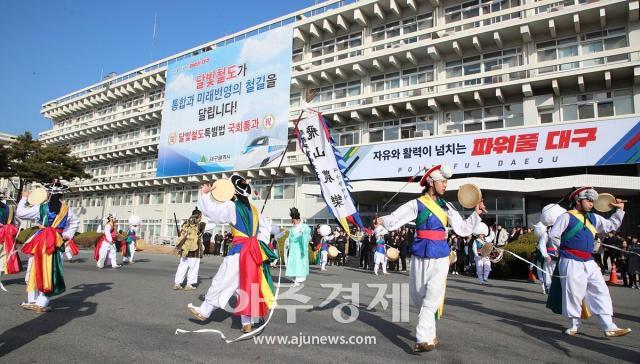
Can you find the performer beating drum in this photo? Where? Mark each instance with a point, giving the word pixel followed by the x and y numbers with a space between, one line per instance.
pixel 430 251
pixel 57 223
pixel 325 233
pixel 245 269
pixel 380 255
pixel 575 232
pixel 483 239
pixel 9 258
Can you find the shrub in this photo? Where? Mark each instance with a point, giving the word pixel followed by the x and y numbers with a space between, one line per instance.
pixel 511 267
pixel 25 234
pixel 87 240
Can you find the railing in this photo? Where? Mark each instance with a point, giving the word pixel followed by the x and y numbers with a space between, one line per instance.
pixel 404 42
pixel 501 76
pixel 117 116
pixel 119 146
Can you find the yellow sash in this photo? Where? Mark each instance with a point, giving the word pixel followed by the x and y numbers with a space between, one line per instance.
pixel 581 218
pixel 434 208
pixel 254 222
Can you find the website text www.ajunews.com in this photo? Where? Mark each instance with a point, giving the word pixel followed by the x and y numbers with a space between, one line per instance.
pixel 301 340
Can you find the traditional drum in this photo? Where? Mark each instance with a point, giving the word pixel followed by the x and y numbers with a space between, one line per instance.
pixel 453 257
pixel 37 196
pixel 222 190
pixel 486 249
pixel 333 252
pixel 603 203
pixel 393 254
pixel 469 195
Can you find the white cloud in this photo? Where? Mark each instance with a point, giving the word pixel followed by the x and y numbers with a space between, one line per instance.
pixel 263 48
pixel 180 85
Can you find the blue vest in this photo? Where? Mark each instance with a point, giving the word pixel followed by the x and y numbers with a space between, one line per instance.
pixel 578 237
pixel 324 246
pixel 380 246
pixel 426 220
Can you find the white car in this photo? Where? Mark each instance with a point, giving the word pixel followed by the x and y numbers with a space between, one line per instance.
pixel 260 152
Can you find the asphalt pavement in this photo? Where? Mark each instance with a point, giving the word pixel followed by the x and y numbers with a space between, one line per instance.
pixel 132 313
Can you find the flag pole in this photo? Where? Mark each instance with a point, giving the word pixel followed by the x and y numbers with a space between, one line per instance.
pixel 309 97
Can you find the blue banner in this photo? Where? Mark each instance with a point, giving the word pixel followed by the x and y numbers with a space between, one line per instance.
pixel 227 109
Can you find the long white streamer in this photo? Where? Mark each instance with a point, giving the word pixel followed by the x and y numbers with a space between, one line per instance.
pixel 531 264
pixel 248 334
pixel 620 249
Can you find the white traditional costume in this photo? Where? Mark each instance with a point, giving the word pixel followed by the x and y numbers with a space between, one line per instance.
pixel 380 255
pixel 190 250
pixel 245 269
pixel 105 250
pixel 483 263
pixel 129 246
pixel 582 279
pixel 57 223
pixel 430 251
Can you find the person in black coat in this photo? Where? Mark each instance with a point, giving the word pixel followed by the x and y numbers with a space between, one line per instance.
pixel 217 240
pixel 403 246
pixel 633 266
pixel 365 252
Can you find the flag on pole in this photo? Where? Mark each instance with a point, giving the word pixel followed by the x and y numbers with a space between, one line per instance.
pixel 329 166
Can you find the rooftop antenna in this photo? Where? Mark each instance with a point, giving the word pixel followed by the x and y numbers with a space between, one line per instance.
pixel 153 37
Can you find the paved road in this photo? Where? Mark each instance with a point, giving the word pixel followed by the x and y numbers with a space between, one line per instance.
pixel 132 313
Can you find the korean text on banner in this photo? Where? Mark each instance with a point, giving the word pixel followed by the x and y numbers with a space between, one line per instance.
pixel 315 142
pixel 227 109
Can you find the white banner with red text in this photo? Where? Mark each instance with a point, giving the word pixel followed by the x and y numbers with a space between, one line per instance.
pixel 605 142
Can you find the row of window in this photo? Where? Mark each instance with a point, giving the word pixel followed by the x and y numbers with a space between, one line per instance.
pixel 282 189
pixel 591 105
pixel 111 108
pixel 111 142
pixel 586 43
pixel 569 108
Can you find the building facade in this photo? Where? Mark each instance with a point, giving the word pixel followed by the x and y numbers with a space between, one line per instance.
pixel 385 71
pixel 8 184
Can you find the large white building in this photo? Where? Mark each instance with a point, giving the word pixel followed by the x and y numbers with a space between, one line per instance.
pixel 385 70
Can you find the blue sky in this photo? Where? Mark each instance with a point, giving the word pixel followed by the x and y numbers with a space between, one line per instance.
pixel 51 48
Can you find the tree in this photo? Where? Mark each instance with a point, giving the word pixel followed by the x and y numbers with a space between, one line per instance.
pixel 32 161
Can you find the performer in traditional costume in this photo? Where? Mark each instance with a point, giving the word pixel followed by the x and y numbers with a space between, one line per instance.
pixel 581 278
pixel 245 269
pixel 298 252
pixel 323 250
pixel 483 263
pixel 57 223
pixel 9 258
pixel 380 255
pixel 547 248
pixel 106 246
pixel 430 251
pixel 129 245
pixel 190 249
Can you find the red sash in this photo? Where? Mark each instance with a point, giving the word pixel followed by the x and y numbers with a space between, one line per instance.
pixel 250 300
pixel 431 234
pixel 73 247
pixel 45 239
pixel 7 237
pixel 578 253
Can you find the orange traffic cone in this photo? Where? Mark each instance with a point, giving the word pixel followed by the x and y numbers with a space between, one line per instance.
pixel 613 278
pixel 532 277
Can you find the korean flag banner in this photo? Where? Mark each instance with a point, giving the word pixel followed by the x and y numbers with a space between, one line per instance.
pixel 329 166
